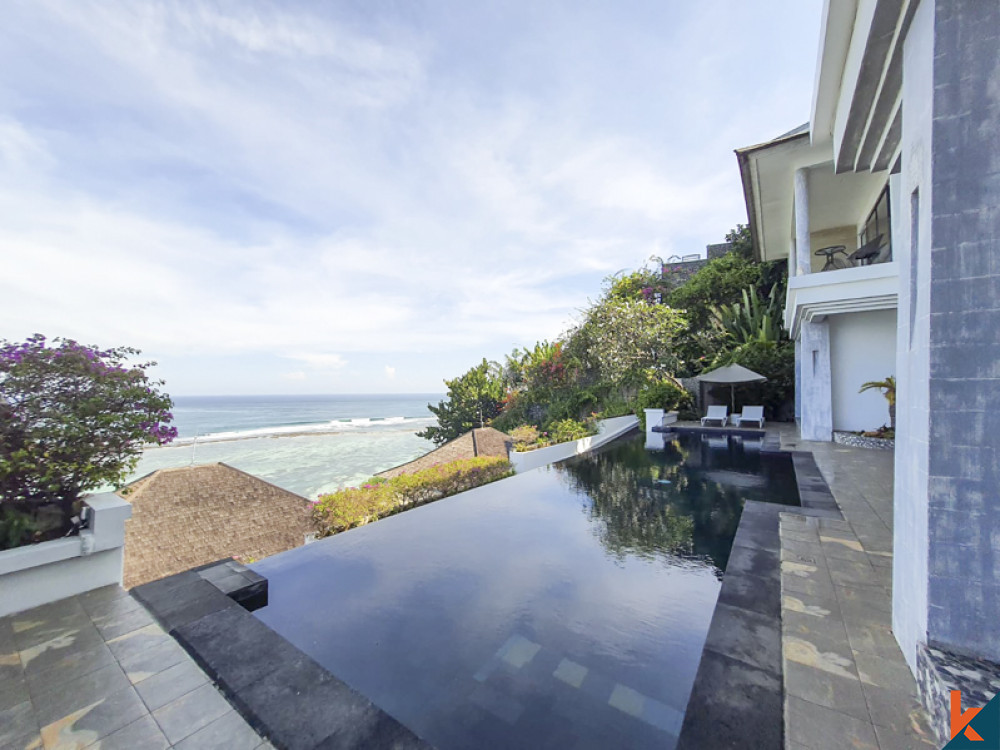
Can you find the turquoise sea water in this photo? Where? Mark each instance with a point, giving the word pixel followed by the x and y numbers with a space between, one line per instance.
pixel 307 444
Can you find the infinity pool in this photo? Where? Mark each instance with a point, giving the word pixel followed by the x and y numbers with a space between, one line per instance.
pixel 565 607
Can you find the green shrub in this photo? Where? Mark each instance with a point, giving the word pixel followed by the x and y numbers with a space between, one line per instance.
pixel 664 394
pixel 524 437
pixel 380 497
pixel 569 429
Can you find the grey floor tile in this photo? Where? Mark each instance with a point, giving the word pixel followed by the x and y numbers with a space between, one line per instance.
pixel 808 723
pixel 96 597
pixel 897 710
pixel 144 664
pixel 116 624
pixel 13 690
pixel 138 641
pixel 889 739
pixel 228 732
pixel 142 734
pixel 109 606
pixel 840 693
pixel 189 713
pixel 70 664
pixel 885 673
pixel 94 721
pixel 66 697
pixel 873 639
pixel 50 638
pixel 18 726
pixel 170 684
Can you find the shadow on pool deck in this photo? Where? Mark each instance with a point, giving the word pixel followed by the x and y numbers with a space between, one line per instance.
pixel 801 639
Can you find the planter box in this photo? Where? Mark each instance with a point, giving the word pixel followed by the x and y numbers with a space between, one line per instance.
pixel 607 430
pixel 46 572
pixel 860 441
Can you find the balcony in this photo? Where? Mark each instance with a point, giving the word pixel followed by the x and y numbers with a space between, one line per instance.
pixel 842 290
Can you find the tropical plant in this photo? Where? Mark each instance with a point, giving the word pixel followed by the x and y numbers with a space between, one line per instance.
pixel 887 388
pixel 753 319
pixel 379 497
pixel 473 400
pixel 72 418
pixel 665 394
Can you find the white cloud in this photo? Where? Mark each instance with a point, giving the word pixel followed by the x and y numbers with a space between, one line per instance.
pixel 258 179
pixel 390 372
pixel 297 375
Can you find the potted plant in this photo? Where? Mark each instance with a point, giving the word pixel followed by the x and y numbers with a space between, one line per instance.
pixel 887 388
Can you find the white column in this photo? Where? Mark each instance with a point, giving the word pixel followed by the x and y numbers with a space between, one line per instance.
pixel 816 401
pixel 803 259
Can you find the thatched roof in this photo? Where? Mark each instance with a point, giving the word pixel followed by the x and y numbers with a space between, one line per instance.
pixel 190 516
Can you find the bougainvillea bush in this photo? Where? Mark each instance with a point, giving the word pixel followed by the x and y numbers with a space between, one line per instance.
pixel 379 497
pixel 72 418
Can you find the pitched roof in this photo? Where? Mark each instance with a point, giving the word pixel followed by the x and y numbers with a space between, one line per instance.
pixel 190 516
pixel 482 441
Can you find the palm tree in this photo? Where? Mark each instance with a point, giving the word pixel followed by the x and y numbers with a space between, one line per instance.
pixel 887 388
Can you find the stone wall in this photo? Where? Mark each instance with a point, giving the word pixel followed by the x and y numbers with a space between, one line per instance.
pixel 964 507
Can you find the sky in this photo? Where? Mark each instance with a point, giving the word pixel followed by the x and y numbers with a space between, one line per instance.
pixel 367 196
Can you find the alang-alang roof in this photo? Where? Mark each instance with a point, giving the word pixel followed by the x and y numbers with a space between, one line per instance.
pixel 191 516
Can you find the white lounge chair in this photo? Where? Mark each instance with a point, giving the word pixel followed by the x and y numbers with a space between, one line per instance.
pixel 750 414
pixel 718 414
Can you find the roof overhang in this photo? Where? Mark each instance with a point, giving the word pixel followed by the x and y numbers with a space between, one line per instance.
pixel 768 174
pixel 856 98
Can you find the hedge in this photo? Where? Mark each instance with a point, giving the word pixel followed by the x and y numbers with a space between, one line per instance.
pixel 377 498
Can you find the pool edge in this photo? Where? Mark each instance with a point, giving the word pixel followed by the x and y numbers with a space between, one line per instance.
pixel 737 698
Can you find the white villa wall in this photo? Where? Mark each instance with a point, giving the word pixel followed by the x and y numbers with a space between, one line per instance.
pixel 910 536
pixel 862 348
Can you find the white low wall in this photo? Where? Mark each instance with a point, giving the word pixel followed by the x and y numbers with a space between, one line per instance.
pixel 607 430
pixel 37 574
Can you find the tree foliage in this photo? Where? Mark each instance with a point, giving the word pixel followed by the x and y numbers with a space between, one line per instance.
pixel 718 282
pixel 473 400
pixel 72 418
pixel 754 318
pixel 642 330
pixel 626 340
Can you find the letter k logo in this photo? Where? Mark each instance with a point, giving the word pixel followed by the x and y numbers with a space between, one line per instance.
pixel 960 720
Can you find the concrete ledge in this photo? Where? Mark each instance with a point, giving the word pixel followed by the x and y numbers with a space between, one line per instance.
pixel 37 574
pixel 607 430
pixel 282 693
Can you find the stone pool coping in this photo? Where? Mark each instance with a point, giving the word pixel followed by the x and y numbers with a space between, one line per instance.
pixel 737 699
pixel 281 692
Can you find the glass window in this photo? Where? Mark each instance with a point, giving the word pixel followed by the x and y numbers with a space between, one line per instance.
pixel 877 226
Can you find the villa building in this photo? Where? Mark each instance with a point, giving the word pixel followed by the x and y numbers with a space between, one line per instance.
pixel 887 208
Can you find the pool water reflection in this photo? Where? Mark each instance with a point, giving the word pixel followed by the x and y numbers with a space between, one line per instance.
pixel 564 607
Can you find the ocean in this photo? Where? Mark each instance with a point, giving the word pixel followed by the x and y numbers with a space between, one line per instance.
pixel 307 444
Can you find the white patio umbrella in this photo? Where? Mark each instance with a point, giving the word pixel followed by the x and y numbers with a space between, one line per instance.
pixel 731 375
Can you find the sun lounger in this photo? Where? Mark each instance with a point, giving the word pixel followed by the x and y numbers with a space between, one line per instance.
pixel 750 414
pixel 718 414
